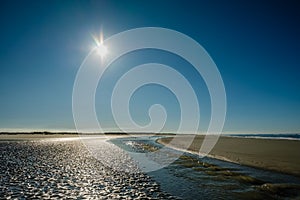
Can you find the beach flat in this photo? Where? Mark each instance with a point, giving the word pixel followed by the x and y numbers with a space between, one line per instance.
pixel 271 154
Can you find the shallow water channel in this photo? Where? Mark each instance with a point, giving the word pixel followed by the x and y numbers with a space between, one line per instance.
pixel 191 177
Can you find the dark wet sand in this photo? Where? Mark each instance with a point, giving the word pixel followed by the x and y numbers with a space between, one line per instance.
pixel 272 154
pixel 65 169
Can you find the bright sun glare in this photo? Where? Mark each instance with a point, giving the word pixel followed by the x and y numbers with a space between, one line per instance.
pixel 102 50
pixel 100 47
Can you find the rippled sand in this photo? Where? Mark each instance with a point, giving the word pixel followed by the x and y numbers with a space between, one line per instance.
pixel 66 169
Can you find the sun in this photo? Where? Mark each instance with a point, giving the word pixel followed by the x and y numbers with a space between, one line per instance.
pixel 100 47
pixel 102 50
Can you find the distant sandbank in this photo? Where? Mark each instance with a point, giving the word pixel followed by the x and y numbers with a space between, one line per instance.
pixel 45 135
pixel 50 135
pixel 29 136
pixel 272 154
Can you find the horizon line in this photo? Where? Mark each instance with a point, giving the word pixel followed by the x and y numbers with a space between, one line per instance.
pixel 53 131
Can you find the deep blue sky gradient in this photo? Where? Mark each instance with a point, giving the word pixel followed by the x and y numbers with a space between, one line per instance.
pixel 255 44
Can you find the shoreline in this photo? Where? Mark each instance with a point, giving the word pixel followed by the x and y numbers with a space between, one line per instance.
pixel 268 154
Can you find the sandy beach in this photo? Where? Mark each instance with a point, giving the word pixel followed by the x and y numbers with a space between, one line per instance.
pixel 272 154
pixel 63 165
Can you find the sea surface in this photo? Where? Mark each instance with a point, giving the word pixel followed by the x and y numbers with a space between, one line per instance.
pixel 287 136
pixel 68 169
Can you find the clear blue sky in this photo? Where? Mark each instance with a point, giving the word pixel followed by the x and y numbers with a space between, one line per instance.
pixel 255 44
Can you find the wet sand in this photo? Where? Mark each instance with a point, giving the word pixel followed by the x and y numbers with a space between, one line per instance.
pixel 272 154
pixel 64 169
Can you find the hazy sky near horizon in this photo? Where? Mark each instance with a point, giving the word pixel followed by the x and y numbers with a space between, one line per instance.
pixel 255 44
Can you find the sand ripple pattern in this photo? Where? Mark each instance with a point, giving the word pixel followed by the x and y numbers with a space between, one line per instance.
pixel 66 170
